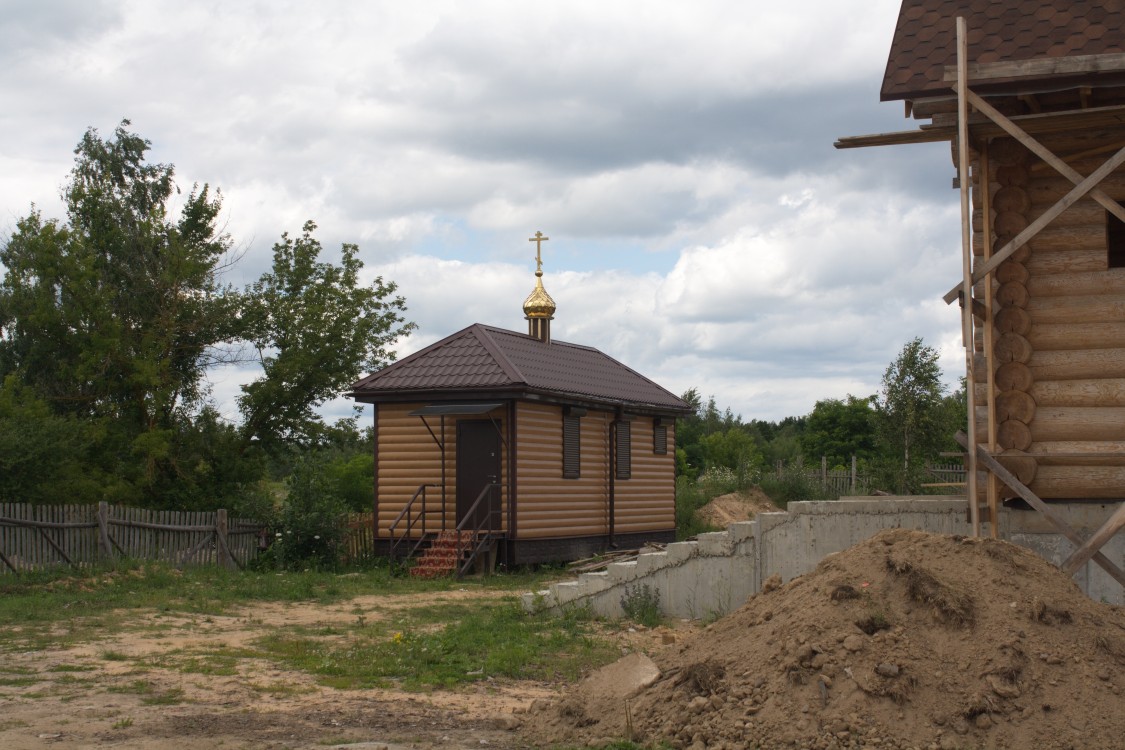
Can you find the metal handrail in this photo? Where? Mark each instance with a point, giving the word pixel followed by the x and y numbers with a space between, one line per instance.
pixel 488 525
pixel 411 520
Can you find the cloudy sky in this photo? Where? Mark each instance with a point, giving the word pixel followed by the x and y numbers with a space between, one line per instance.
pixel 704 230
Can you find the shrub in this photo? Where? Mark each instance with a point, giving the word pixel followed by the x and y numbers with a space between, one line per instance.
pixel 641 604
pixel 308 528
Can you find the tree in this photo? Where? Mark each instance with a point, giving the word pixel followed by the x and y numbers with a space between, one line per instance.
pixel 910 412
pixel 316 329
pixel 114 316
pixel 840 429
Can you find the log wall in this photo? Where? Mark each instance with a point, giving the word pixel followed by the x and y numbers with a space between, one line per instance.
pixel 647 500
pixel 548 505
pixel 1058 326
pixel 408 457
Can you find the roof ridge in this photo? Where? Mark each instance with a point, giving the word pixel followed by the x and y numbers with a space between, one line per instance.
pixel 484 336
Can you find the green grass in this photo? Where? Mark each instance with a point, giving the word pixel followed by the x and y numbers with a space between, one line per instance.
pixel 420 647
pixel 444 647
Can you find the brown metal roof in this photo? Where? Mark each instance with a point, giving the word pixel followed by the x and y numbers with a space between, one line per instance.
pixel 486 359
pixel 1009 30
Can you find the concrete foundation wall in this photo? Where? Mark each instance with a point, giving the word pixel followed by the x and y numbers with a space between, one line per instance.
pixel 716 573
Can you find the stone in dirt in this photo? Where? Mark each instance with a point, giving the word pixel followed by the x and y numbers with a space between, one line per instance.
pixel 928 652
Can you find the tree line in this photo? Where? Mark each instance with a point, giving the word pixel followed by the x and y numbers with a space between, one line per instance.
pixel 893 434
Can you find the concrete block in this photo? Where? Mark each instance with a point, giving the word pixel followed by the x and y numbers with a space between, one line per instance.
pixel 619 572
pixel 595 582
pixel 536 601
pixel 567 591
pixel 680 551
pixel 651 561
pixel 741 531
pixel 714 543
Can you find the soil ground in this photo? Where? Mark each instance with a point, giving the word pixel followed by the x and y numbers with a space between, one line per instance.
pixel 724 510
pixel 908 641
pixel 107 702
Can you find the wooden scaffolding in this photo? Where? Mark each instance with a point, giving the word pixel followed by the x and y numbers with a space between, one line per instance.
pixel 1001 451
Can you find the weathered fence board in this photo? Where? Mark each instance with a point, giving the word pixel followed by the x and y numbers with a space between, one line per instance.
pixel 41 536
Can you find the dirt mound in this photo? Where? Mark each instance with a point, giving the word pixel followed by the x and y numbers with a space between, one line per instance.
pixel 724 510
pixel 909 640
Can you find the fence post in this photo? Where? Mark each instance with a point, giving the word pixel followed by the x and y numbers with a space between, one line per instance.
pixel 824 470
pixel 103 530
pixel 853 473
pixel 221 526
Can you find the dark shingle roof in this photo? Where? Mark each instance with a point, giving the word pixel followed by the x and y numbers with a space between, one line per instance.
pixel 482 358
pixel 925 38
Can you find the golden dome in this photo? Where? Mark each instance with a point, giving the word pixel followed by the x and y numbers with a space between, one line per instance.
pixel 539 304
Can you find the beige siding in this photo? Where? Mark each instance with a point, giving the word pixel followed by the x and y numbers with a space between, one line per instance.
pixel 646 501
pixel 548 505
pixel 408 457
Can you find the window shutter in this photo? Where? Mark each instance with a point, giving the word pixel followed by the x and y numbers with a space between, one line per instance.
pixel 572 447
pixel 660 439
pixel 624 450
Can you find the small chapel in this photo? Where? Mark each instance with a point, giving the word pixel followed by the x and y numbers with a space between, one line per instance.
pixel 493 445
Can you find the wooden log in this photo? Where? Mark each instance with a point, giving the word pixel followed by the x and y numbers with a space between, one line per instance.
pixel 1110 281
pixel 1014 376
pixel 1078 309
pixel 1012 174
pixel 1013 435
pixel 1052 337
pixel 1085 392
pixel 1008 225
pixel 1056 238
pixel 1074 482
pixel 1012 294
pixel 1022 466
pixel 1079 452
pixel 1007 152
pixel 1010 271
pixel 1044 263
pixel 1011 199
pixel 1078 423
pixel 1082 213
pixel 1011 347
pixel 1016 405
pixel 1077 364
pixel 1013 320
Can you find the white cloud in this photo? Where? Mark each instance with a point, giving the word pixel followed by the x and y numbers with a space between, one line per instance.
pixel 703 229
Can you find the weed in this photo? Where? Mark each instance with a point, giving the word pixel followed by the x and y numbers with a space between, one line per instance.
pixel 641 604
pixel 123 723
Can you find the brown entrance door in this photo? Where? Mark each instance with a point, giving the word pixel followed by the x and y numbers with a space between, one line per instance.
pixel 478 465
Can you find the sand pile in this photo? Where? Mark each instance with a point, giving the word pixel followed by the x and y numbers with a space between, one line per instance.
pixel 724 510
pixel 909 640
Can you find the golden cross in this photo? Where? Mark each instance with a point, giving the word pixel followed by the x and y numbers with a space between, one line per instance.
pixel 538 239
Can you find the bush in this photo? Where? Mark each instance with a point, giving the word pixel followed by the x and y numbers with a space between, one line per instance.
pixel 793 487
pixel 308 528
pixel 641 604
pixel 690 497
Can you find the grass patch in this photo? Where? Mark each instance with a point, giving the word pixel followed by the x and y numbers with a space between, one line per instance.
pixel 72 668
pixel 472 643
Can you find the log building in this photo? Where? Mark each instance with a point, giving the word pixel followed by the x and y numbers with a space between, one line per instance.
pixel 1031 97
pixel 535 449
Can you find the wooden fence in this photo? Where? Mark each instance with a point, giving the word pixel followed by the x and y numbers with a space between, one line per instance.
pixel 359 538
pixel 854 482
pixel 39 536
